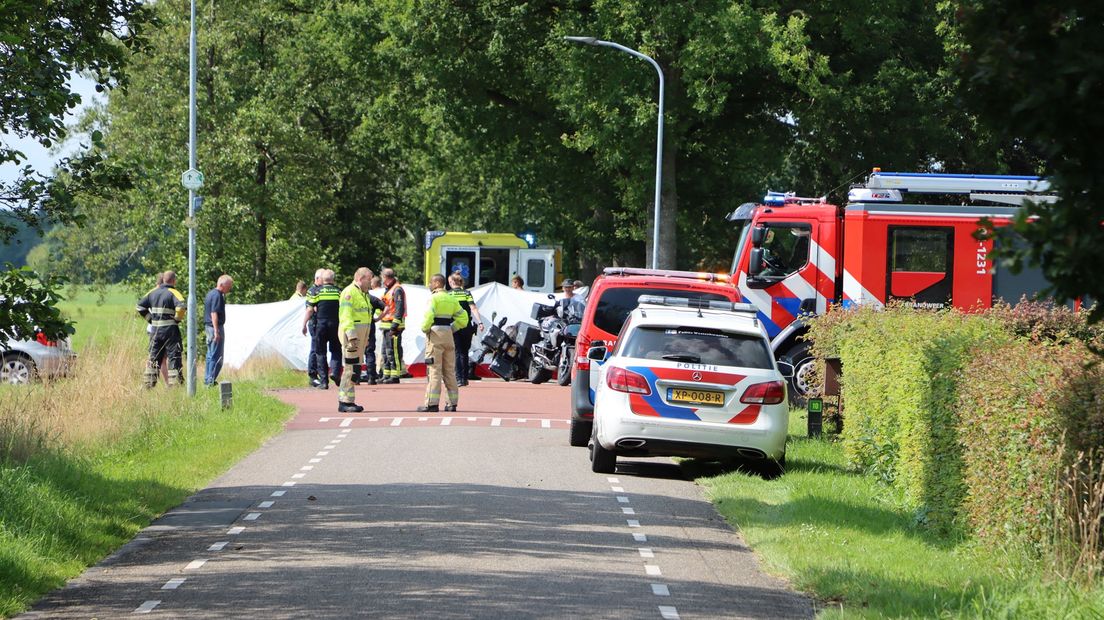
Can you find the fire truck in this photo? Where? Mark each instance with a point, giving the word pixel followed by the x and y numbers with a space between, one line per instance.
pixel 797 256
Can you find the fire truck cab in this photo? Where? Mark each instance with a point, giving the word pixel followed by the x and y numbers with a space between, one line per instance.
pixel 796 256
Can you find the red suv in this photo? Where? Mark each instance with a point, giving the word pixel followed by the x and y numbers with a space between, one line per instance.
pixel 611 298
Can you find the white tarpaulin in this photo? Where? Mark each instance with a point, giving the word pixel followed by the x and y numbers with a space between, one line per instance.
pixel 277 328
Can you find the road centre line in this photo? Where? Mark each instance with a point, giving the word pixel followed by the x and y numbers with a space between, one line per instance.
pixel 423 419
pixel 306 468
pixel 315 461
pixel 330 447
pixel 628 511
pixel 637 537
pixel 289 483
pixel 621 499
pixel 446 421
pixel 174 583
pixel 252 516
pixel 668 613
pixel 496 422
pixel 278 493
pixel 147 607
pixel 267 504
pixel 633 523
pixel 396 421
pixel 218 546
pixel 195 564
pixel 651 569
pixel 612 480
pixel 646 553
pixel 522 420
pixel 472 419
pixel 323 453
pixel 235 530
pixel 373 419
pixel 661 589
pixel 617 489
pixel 297 475
pixel 346 422
pixel 546 423
pixel 335 441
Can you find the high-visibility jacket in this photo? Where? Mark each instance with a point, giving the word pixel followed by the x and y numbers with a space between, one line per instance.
pixel 325 299
pixel 444 310
pixel 394 305
pixel 354 309
pixel 164 306
pixel 466 301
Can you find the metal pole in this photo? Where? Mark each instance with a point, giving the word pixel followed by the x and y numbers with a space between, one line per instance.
pixel 659 132
pixel 191 208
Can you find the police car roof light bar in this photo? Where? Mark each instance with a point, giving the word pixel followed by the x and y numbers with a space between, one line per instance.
pixel 698 304
pixel 667 273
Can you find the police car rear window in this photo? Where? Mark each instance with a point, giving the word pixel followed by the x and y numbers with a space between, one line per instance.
pixel 698 346
pixel 615 304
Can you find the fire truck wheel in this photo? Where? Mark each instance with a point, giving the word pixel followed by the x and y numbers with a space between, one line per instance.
pixel 802 360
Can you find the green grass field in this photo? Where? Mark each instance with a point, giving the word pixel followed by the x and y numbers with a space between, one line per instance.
pixel 100 316
pixel 848 540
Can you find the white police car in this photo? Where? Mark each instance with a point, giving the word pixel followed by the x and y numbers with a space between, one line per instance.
pixel 690 378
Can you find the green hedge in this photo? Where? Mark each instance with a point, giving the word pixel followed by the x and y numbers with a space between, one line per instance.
pixel 901 371
pixel 1026 410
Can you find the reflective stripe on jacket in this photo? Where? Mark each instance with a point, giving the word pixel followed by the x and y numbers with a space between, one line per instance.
pixel 394 305
pixel 444 307
pixel 164 306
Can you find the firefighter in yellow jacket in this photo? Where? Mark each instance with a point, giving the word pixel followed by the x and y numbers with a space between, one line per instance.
pixel 354 319
pixel 443 316
pixel 164 308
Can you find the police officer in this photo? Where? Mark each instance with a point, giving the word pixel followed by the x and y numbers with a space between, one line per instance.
pixel 392 322
pixel 354 321
pixel 463 337
pixel 310 320
pixel 164 308
pixel 322 308
pixel 443 317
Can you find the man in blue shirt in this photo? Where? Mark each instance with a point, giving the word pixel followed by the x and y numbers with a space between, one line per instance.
pixel 214 316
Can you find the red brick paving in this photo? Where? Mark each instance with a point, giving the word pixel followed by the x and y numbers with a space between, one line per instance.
pixel 513 404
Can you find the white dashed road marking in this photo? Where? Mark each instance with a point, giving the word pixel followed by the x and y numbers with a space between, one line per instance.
pixel 147 607
pixel 278 493
pixel 267 504
pixel 651 569
pixel 628 511
pixel 347 422
pixel 633 523
pixel 496 422
pixel 660 589
pixel 306 468
pixel 174 583
pixel 546 423
pixel 315 461
pixel 329 447
pixel 322 454
pixel 195 564
pixel 618 489
pixel 621 499
pixel 646 553
pixel 252 516
pixel 396 421
pixel 668 613
pixel 234 531
pixel 289 483
pixel 218 546
pixel 612 480
pixel 446 421
pixel 297 476
pixel 640 537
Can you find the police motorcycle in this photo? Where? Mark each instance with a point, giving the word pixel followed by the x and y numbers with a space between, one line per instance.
pixel 555 352
pixel 509 347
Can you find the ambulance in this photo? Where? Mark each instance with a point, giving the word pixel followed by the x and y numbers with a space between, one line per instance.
pixel 797 256
pixel 483 257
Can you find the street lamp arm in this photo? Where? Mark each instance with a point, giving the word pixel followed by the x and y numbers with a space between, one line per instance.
pixel 659 133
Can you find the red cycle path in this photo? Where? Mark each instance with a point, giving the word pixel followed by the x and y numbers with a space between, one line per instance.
pixel 486 403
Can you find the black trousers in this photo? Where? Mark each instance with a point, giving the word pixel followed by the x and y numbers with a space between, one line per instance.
pixel 369 367
pixel 325 335
pixel 463 340
pixel 312 360
pixel 165 342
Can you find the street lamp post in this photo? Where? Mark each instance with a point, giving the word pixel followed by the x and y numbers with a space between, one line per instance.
pixel 659 131
pixel 192 180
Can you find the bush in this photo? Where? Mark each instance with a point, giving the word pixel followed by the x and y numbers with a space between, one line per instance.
pixel 901 369
pixel 1029 413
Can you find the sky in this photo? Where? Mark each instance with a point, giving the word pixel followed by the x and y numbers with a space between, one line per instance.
pixel 38 155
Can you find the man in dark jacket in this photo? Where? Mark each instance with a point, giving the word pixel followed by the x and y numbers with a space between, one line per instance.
pixel 164 308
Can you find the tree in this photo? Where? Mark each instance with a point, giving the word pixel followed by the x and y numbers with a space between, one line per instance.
pixel 1034 72
pixel 43 44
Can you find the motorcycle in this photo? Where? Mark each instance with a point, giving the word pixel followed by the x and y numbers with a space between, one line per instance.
pixel 555 352
pixel 509 348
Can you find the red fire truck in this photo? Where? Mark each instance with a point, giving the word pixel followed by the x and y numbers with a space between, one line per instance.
pixel 796 256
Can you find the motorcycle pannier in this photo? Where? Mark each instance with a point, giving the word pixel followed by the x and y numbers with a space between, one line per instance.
pixel 528 335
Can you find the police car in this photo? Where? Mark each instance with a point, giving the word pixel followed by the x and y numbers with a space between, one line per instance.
pixel 692 378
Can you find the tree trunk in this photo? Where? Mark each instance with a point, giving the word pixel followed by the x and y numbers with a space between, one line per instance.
pixel 260 263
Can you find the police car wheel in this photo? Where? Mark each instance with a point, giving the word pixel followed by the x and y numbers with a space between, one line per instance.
pixel 602 461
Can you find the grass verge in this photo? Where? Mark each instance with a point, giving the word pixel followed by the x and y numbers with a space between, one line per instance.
pixel 87 461
pixel 850 542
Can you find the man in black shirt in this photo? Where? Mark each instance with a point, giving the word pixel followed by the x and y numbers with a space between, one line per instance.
pixel 322 308
pixel 214 317
pixel 164 309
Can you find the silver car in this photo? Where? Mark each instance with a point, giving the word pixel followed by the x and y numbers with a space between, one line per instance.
pixel 22 361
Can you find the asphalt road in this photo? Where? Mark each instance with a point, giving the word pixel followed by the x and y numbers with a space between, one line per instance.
pixel 485 513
